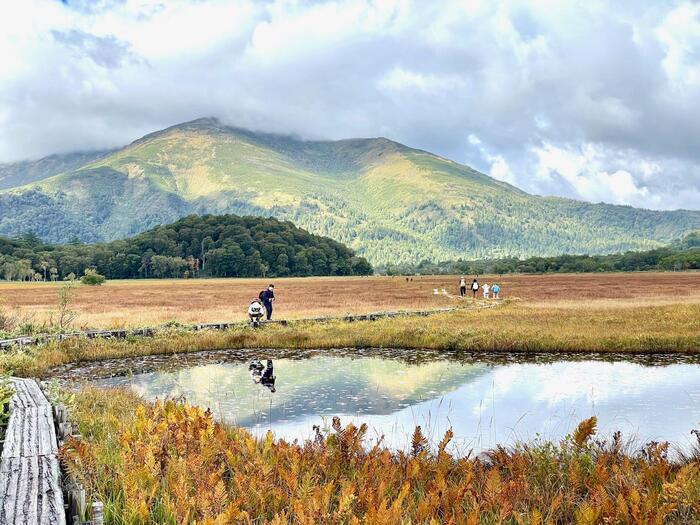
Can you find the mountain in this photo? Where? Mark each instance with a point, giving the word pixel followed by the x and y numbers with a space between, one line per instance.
pixel 25 172
pixel 389 202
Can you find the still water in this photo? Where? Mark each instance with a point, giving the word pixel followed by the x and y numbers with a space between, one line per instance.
pixel 484 402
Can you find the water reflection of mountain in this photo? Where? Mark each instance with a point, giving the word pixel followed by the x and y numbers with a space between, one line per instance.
pixel 316 386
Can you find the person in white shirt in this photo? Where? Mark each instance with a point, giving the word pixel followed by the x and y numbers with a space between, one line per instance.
pixel 255 312
pixel 486 288
pixel 462 287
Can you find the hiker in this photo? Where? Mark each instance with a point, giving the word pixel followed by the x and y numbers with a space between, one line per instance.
pixel 495 289
pixel 462 287
pixel 268 297
pixel 486 288
pixel 268 378
pixel 255 312
pixel 475 287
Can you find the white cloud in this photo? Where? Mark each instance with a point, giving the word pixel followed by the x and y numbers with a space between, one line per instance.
pixel 595 100
pixel 583 171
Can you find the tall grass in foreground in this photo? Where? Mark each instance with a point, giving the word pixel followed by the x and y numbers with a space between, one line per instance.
pixel 171 463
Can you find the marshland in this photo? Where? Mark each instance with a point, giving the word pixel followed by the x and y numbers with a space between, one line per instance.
pixel 573 398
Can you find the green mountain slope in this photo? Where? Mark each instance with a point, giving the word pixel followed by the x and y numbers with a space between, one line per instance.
pixel 25 172
pixel 389 202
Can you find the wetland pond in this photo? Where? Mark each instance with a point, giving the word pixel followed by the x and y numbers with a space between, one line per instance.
pixel 486 400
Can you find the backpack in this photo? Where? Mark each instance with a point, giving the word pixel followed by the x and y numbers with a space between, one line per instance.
pixel 260 296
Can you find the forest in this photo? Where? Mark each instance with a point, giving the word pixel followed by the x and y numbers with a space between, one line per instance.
pixel 681 255
pixel 195 246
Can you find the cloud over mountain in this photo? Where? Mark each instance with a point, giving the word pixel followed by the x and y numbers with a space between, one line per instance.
pixel 595 100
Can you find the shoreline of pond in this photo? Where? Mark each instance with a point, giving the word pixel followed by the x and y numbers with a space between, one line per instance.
pixel 125 366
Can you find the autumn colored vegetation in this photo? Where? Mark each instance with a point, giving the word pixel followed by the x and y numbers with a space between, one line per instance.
pixel 172 463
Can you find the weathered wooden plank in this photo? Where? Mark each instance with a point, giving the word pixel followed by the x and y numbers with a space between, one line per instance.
pixel 27 394
pixel 30 491
pixel 30 432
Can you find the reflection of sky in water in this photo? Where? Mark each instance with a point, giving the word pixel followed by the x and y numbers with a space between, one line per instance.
pixel 484 403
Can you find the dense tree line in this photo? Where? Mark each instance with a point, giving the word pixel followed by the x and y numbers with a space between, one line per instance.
pixel 682 255
pixel 207 246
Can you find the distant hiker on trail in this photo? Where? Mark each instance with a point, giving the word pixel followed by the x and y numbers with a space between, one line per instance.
pixel 475 287
pixel 268 297
pixel 255 312
pixel 486 288
pixel 495 289
pixel 462 287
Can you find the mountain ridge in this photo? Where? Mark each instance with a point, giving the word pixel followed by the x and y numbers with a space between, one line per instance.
pixel 389 202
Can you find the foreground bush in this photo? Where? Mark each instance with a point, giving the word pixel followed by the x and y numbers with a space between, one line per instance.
pixel 172 463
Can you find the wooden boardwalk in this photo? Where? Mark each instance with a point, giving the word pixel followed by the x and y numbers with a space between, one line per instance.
pixel 152 331
pixel 30 491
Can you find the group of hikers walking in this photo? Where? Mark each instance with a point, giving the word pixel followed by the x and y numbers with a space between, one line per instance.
pixel 487 288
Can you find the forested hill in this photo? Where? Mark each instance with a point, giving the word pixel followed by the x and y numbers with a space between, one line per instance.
pixel 209 246
pixel 391 203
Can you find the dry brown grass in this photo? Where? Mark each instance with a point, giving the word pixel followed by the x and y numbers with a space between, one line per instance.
pixel 152 302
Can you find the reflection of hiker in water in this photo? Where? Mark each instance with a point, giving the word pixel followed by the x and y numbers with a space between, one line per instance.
pixel 256 369
pixel 268 377
pixel 263 375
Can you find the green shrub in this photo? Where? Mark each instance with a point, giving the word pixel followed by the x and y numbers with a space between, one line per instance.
pixel 92 278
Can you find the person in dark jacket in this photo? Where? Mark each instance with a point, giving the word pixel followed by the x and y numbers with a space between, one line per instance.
pixel 268 297
pixel 475 287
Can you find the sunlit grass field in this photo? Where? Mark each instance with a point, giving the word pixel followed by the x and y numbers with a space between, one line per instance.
pixel 642 317
pixel 138 303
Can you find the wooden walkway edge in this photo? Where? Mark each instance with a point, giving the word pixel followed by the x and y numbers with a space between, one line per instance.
pixel 151 331
pixel 30 489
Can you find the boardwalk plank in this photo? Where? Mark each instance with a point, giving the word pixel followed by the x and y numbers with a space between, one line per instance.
pixel 30 491
pixel 30 432
pixel 27 394
pixel 30 488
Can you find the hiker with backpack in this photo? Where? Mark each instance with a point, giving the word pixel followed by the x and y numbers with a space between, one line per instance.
pixel 462 287
pixel 267 297
pixel 475 288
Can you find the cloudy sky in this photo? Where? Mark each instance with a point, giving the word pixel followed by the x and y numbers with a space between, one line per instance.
pixel 597 100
